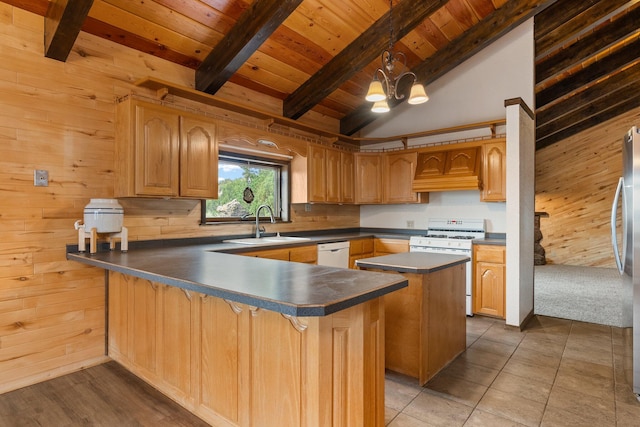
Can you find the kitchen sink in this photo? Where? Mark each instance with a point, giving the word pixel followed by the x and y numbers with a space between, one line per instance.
pixel 269 240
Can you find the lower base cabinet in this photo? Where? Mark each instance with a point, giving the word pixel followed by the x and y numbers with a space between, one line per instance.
pixel 360 248
pixel 237 365
pixel 489 280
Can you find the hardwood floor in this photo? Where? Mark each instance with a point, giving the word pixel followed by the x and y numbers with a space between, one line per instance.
pixel 104 395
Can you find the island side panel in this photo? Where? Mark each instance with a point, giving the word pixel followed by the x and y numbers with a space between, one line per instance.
pixel 446 318
pixel 250 366
pixel 403 326
pixel 425 323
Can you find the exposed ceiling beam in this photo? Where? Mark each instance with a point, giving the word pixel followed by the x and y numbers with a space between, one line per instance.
pixel 608 107
pixel 567 19
pixel 481 35
pixel 62 24
pixel 582 99
pixel 255 25
pixel 589 45
pixel 620 58
pixel 357 55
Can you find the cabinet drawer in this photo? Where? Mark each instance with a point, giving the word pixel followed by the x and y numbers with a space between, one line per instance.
pixel 390 246
pixel 486 253
pixel 280 254
pixel 307 254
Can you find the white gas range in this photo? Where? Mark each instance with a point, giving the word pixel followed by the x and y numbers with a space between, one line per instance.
pixel 451 236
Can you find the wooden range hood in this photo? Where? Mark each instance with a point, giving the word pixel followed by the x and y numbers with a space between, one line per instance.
pixel 442 169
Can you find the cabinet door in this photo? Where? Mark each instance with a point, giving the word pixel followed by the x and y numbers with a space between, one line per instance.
pixel 494 172
pixel 347 175
pixel 430 164
pixel 156 151
pixel 307 254
pixel 198 158
pixel 489 280
pixel 317 174
pixel 359 249
pixel 333 178
pixel 368 178
pixel 399 169
pixel 462 162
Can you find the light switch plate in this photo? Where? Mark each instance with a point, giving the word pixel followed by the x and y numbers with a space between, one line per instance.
pixel 40 178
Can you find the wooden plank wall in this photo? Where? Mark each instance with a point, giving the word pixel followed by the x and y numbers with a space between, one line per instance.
pixel 60 117
pixel 575 182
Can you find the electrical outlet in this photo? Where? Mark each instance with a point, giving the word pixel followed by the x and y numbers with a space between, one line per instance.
pixel 40 178
pixel 409 224
pixel 307 207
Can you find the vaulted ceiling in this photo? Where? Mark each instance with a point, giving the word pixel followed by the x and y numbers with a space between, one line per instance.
pixel 320 55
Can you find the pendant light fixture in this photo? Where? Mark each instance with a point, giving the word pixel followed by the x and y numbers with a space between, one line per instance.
pixel 384 85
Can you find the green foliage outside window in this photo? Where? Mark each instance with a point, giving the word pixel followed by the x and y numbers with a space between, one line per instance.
pixel 263 182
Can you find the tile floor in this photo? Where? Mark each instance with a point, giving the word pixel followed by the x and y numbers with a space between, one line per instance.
pixel 554 373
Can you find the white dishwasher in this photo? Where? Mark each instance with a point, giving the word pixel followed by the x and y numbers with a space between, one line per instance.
pixel 334 254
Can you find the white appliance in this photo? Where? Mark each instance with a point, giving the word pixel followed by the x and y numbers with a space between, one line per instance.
pixel 451 236
pixel 628 255
pixel 334 254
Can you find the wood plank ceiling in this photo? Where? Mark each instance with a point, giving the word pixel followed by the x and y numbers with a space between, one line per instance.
pixel 587 65
pixel 320 55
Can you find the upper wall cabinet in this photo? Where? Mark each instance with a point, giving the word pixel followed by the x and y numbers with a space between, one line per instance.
pixel 398 171
pixel 324 176
pixel 494 172
pixel 161 152
pixel 368 178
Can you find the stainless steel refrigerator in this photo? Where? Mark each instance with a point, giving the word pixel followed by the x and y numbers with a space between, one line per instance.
pixel 627 251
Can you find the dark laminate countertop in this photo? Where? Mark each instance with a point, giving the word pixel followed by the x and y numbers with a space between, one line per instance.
pixel 286 287
pixel 413 262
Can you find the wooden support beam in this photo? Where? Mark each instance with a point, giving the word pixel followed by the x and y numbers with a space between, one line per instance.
pixel 62 24
pixel 491 28
pixel 255 25
pixel 365 48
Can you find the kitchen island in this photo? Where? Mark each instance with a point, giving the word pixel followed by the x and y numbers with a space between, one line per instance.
pixel 245 341
pixel 425 323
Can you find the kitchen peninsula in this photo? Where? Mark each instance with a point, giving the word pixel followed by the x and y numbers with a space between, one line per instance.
pixel 247 341
pixel 425 323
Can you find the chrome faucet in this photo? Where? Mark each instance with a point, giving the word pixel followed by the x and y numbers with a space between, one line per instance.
pixel 273 221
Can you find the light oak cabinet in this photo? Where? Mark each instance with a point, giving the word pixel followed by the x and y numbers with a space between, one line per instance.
pixel 489 280
pixel 347 175
pixel 307 254
pixel 359 249
pixel 325 176
pixel 494 172
pixel 368 178
pixel 398 171
pixel 384 246
pixel 217 358
pixel 161 152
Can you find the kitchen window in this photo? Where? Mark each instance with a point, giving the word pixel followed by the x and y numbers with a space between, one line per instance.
pixel 245 182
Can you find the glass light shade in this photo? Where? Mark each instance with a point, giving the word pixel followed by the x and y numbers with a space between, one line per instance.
pixel 375 93
pixel 417 95
pixel 380 107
